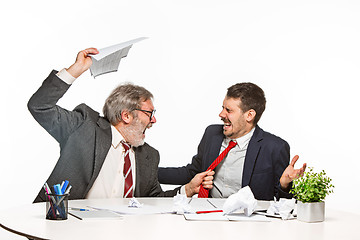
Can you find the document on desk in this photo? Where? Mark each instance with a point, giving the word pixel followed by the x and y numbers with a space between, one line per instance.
pixel 197 204
pixel 96 215
pixel 126 210
pixel 108 59
pixel 219 216
pixel 206 204
pixel 209 208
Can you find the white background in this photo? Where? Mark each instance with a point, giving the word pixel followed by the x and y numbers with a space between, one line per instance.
pixel 304 54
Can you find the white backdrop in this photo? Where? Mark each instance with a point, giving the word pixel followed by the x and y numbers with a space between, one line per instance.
pixel 304 54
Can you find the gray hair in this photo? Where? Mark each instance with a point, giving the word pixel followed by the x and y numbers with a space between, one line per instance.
pixel 125 97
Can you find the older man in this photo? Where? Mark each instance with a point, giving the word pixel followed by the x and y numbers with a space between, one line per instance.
pixel 102 157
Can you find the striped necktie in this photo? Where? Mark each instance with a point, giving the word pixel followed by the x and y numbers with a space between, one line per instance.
pixel 128 186
pixel 204 193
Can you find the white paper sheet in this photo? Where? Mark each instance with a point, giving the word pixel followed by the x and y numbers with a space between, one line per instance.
pixel 204 204
pixel 222 217
pixel 95 215
pixel 125 210
pixel 108 59
pixel 206 217
pixel 252 218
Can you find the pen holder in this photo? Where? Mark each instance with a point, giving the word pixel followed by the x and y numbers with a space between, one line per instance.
pixel 56 206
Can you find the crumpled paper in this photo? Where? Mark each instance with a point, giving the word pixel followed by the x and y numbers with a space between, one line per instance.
pixel 181 204
pixel 243 199
pixel 135 203
pixel 283 207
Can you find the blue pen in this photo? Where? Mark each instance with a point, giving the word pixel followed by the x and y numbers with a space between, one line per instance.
pixel 64 186
pixel 57 189
pixel 79 209
pixel 66 192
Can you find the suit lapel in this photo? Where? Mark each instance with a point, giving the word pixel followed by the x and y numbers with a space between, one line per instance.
pixel 103 139
pixel 251 155
pixel 142 175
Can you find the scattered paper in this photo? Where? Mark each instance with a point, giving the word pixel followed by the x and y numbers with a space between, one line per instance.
pixel 206 217
pixel 126 210
pixel 203 204
pixel 243 199
pixel 283 208
pixel 95 215
pixel 181 204
pixel 135 203
pixel 222 217
pixel 108 59
pixel 244 218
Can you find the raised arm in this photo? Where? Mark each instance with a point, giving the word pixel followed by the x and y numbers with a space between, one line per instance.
pixel 58 121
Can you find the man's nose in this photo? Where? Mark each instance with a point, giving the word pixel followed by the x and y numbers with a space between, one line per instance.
pixel 222 114
pixel 153 119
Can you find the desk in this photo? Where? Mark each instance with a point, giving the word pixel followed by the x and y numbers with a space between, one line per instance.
pixel 29 220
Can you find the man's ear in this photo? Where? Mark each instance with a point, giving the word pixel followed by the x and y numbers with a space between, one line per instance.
pixel 126 116
pixel 250 115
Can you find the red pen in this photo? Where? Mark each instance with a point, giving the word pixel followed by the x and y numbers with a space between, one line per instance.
pixel 211 211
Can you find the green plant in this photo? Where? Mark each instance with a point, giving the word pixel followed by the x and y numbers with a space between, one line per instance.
pixel 312 187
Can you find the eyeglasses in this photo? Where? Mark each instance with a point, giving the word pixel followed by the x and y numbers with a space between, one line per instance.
pixel 152 113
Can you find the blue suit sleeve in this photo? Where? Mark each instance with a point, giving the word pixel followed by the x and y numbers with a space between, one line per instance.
pixel 183 175
pixel 280 164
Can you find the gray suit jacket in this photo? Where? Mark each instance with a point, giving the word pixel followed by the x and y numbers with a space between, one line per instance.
pixel 85 139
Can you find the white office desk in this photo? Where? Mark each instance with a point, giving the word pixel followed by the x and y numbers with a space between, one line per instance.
pixel 29 220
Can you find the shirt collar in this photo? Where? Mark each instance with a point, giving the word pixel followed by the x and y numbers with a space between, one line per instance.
pixel 116 137
pixel 241 141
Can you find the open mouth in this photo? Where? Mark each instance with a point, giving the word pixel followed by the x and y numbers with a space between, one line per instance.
pixel 226 126
pixel 147 127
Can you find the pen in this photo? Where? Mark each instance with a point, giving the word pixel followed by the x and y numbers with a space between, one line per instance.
pixel 64 186
pixel 78 209
pixel 68 190
pixel 48 191
pixel 63 197
pixel 51 203
pixel 211 211
pixel 57 189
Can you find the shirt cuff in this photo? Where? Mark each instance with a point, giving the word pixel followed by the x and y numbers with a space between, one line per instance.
pixel 66 76
pixel 182 190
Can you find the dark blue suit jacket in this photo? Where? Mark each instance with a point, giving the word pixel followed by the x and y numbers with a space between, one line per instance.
pixel 266 158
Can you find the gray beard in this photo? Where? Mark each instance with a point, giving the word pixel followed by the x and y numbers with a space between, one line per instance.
pixel 134 134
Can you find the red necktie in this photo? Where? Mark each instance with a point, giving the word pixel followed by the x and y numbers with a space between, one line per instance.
pixel 128 187
pixel 204 193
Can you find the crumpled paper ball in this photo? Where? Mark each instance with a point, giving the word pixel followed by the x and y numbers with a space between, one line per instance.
pixel 181 204
pixel 135 203
pixel 243 199
pixel 283 207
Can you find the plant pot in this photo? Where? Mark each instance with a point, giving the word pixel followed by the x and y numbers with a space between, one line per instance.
pixel 311 212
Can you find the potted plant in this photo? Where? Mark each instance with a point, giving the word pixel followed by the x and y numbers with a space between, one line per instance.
pixel 310 190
